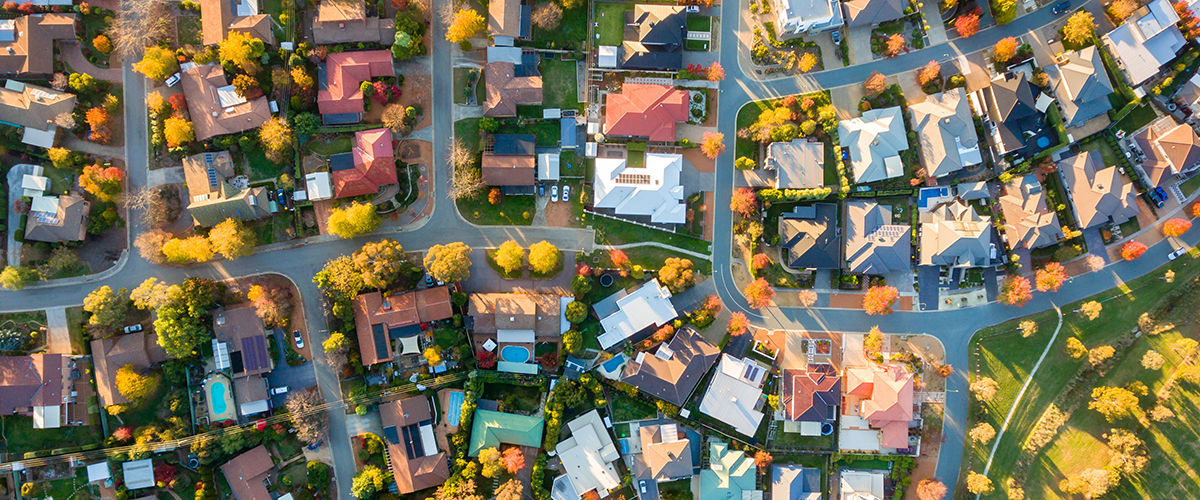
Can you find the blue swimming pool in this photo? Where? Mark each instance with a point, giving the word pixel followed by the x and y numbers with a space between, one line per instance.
pixel 926 194
pixel 515 354
pixel 216 393
pixel 454 408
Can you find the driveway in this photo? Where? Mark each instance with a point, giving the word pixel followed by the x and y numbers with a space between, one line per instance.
pixel 694 179
pixel 15 175
pixel 296 378
pixel 1095 242
pixel 359 424
pixel 927 278
pixel 60 336
pixel 859 40
pixel 171 175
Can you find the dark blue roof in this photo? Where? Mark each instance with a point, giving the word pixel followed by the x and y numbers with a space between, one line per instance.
pixel 513 144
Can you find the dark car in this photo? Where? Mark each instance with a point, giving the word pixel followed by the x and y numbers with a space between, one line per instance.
pixel 1162 194
pixel 1062 7
pixel 282 197
pixel 270 196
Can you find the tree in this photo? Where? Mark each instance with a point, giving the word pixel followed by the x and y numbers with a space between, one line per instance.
pixel 1100 354
pixel 510 256
pixel 929 73
pixel 875 84
pixel 930 489
pixel 308 418
pixel 677 274
pixel 879 299
pixel 1188 23
pixel 241 50
pixel 737 324
pixel 1075 348
pixel 984 389
pixel 193 249
pixel 967 25
pixel 744 202
pixel 1015 291
pixel 1185 347
pixel 763 460
pixel 1129 452
pixel 151 294
pixel 102 182
pixel 1091 310
pixel 433 355
pixel 350 221
pixel 715 72
pixel 1028 328
pixel 895 45
pixel 246 86
pixel 272 304
pixel 513 489
pixel 368 482
pixel 141 24
pixel 1051 277
pixel 489 459
pixel 102 44
pixel 1095 263
pixel 807 62
pixel 340 279
pixel 983 433
pixel 572 341
pixel 1092 483
pixel 1132 249
pixel 381 262
pixel 759 293
pixel 543 257
pixel 978 484
pixel 464 24
pixel 581 285
pixel 177 131
pixel 157 63
pixel 1176 227
pixel 107 307
pixel 1161 413
pixel 760 261
pixel 713 144
pixel 1122 9
pixel 576 311
pixel 1152 360
pixel 1080 28
pixel 547 16
pixel 807 298
pixel 1113 402
pixel 618 258
pixel 16 277
pixel 232 239
pixel 137 386
pixel 98 120
pixel 1005 49
pixel 450 262
pixel 513 460
pixel 277 139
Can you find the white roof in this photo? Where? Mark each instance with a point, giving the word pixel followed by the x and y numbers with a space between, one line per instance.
pixel 515 336
pixel 40 138
pixel 34 182
pixel 409 345
pixel 319 185
pixel 588 454
pixel 229 96
pixel 1161 16
pixel 810 428
pixel 652 191
pixel 875 141
pixel 608 56
pixel 1141 57
pixel 590 149
pixel 647 306
pixel 47 417
pixel 526 368
pixel 254 407
pixel 47 204
pixel 138 474
pixel 490 345
pixel 98 472
pixel 551 113
pixel 735 390
pixel 862 485
pixel 547 164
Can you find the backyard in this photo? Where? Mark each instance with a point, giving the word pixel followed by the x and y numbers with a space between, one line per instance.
pixel 546 132
pixel 567 35
pixel 560 85
pixel 517 397
pixel 626 408
pixel 331 144
pixel 611 19
pixel 1139 117
pixel 21 437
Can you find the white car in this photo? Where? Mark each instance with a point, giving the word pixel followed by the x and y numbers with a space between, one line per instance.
pixel 566 193
pixel 1175 255
pixel 275 391
pixel 133 328
pixel 174 79
pixel 554 193
pixel 298 338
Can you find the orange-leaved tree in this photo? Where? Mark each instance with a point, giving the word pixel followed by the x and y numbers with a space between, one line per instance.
pixel 1051 277
pixel 1015 291
pixel 879 299
pixel 1176 227
pixel 712 145
pixel 1131 250
pixel 759 293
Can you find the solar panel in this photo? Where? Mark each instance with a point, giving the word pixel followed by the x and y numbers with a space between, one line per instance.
pixel 392 436
pixel 208 158
pixel 212 177
pixel 254 353
pixel 640 179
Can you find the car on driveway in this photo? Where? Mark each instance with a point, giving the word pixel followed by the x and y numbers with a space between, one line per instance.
pixel 298 338
pixel 554 192
pixel 1162 193
pixel 1061 7
pixel 567 193
pixel 133 328
pixel 836 35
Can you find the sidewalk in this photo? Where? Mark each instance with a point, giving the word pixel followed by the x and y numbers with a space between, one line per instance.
pixel 58 334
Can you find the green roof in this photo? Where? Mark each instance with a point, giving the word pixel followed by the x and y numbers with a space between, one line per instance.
pixel 490 428
pixel 736 473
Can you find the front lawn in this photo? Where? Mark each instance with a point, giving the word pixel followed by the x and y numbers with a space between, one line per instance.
pixel 697 22
pixel 560 88
pixel 512 211
pixel 745 118
pixel 1190 185
pixel 650 258
pixel 611 17
pixel 615 232
pixel 189 30
pixel 467 131
pixel 464 78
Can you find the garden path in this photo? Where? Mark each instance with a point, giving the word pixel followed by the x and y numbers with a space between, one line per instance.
pixel 58 336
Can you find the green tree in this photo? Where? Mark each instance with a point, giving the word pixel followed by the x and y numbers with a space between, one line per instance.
pixel 137 386
pixel 157 63
pixel 577 312
pixel 16 277
pixel 1080 28
pixel 580 286
pixel 489 458
pixel 340 279
pixel 179 323
pixel 510 256
pixel 151 294
pixel 277 138
pixel 351 221
pixel 450 262
pixel 381 262
pixel 543 257
pixel 318 475
pixel 232 239
pixel 107 307
pixel 573 341
pixel 369 481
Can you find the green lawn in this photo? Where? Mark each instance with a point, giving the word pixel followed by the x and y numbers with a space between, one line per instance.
pixel 831 167
pixel 615 232
pixel 79 340
pixel 188 30
pixel 339 144
pixel 696 22
pixel 795 439
pixel 467 130
pixel 1190 185
pixel 746 117
pixel 635 159
pixel 1099 144
pixel 61 180
pixel 626 408
pixel 695 45
pixel 570 34
pixel 611 16
pixel 648 258
pixel 521 397
pixel 560 88
pixel 546 132
pixel 461 78
pixel 510 212
pixel 1138 118
pixel 260 167
pixel 676 490
pixel 21 437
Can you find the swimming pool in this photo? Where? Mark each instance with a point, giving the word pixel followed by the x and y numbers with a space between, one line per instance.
pixel 925 195
pixel 220 399
pixel 217 394
pixel 454 408
pixel 515 354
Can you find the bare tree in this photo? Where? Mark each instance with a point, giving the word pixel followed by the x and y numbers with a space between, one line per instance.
pixel 150 244
pixel 460 156
pixel 65 120
pixel 154 208
pixel 59 82
pixel 468 182
pixel 308 417
pixel 139 24
pixel 547 15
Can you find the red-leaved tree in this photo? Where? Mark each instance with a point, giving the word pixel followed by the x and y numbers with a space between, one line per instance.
pixel 759 293
pixel 102 182
pixel 713 144
pixel 715 72
pixel 485 359
pixel 737 324
pixel 513 460
pixel 1176 227
pixel 879 299
pixel 1131 250
pixel 761 261
pixel 1051 277
pixel 1188 23
pixel 967 25
pixel 744 202
pixel 1015 291
pixel 618 258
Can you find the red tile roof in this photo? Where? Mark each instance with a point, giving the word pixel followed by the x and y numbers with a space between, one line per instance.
pixel 509 170
pixel 374 165
pixel 809 395
pixel 890 404
pixel 396 311
pixel 642 110
pixel 345 72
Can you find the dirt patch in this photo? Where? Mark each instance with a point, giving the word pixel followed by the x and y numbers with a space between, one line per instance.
pixel 560 214
pixel 416 91
pixel 710 119
pixel 931 444
pixel 701 162
pixel 322 209
pixel 312 163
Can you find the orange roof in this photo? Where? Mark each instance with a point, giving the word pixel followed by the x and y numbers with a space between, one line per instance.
pixel 345 72
pixel 505 90
pixel 858 382
pixel 374 165
pixel 509 170
pixel 395 311
pixel 891 394
pixel 642 110
pixel 894 435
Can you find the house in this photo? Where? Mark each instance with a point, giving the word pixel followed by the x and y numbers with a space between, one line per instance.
pixel 654 36
pixel 511 162
pixel 346 21
pixel 251 395
pixel 878 408
pixel 509 21
pixel 798 164
pixel 40 386
pixel 947 133
pixel 1028 220
pixel 810 238
pixel 872 12
pixel 874 245
pixel 1011 109
pixel 247 474
pixel 953 235
pixel 652 192
pixel 1100 195
pixel 1188 94
pixel 587 456
pixel 797 17
pixel 27 42
pixel 55 219
pixel 735 394
pixel 1172 151
pixel 811 397
pixel 340 97
pixel 111 354
pixel 379 319
pixel 35 109
pixel 793 482
pixel 241 331
pixel 666 452
pixel 220 17
pixel 515 321
pixel 672 374
pixel 318 186
pixel 862 485
pixel 644 309
pixel 138 474
pixel 548 167
pixel 874 142
pixel 1148 40
pixel 215 107
pixel 511 78
pixel 371 165
pixel 412 448
pixel 730 474
pixel 1081 85
pixel 214 198
pixel 491 428
pixel 645 111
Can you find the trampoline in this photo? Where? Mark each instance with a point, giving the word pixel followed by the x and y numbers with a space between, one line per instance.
pixel 1043 142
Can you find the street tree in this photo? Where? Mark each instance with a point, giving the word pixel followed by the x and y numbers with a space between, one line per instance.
pixel 1051 277
pixel 1080 28
pixel 807 298
pixel 1005 49
pixel 984 389
pixel 232 239
pixel 744 202
pixel 983 433
pixel 157 63
pixel 1132 249
pixel 308 418
pixel 1028 328
pixel 879 299
pixel 759 293
pixel 931 489
pixel 381 263
pixel 543 257
pixel 177 131
pixel 353 220
pixel 509 256
pixel 192 249
pixel 1176 227
pixel 929 73
pixel 106 306
pixel 967 25
pixel 1015 291
pixel 340 279
pixel 464 24
pixel 875 84
pixel 895 45
pixel 1095 263
pixel 151 294
pixel 450 262
pixel 272 303
pixel 715 72
pixel 677 274
pixel 1075 348
pixel 737 324
pixel 713 144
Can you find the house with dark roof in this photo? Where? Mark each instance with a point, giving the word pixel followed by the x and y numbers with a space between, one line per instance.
pixel 1011 108
pixel 1081 86
pixel 645 111
pixel 1100 195
pixel 872 12
pixel 111 354
pixel 946 131
pixel 368 167
pixel 798 164
pixel 810 237
pixel 39 386
pixel 27 42
pixel 215 106
pixel 671 374
pixel 875 245
pixel 67 222
pixel 953 235
pixel 346 21
pixel 245 339
pixel 213 196
pixel 412 448
pixel 666 452
pixel 511 78
pixel 379 319
pixel 1028 220
pixel 509 21
pixel 247 474
pixel 793 482
pixel 654 36
pixel 339 83
pixel 812 395
pixel 1172 151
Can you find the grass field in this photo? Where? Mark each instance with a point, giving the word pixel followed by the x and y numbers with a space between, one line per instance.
pixel 510 212
pixel 546 133
pixel 611 16
pixel 560 88
pixel 626 408
pixel 339 144
pixel 467 130
pixel 568 34
pixel 648 258
pixel 615 232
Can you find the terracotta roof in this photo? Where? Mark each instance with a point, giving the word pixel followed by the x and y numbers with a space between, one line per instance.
pixel 887 399
pixel 212 117
pixel 108 355
pixel 32 47
pixel 520 311
pixel 642 110
pixel 812 395
pixel 345 72
pixel 246 473
pixel 509 170
pixel 407 424
pixel 215 16
pixel 374 165
pixel 375 315
pixel 505 90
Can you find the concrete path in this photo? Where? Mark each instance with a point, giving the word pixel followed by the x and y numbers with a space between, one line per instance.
pixel 72 54
pixel 15 175
pixel 76 144
pixel 171 175
pixel 59 336
pixel 937 30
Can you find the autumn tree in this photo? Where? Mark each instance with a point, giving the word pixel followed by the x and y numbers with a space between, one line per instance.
pixel 807 62
pixel 713 144
pixel 929 73
pixel 547 16
pixel 1028 328
pixel 106 306
pixel 1185 347
pixel 513 460
pixel 98 121
pixel 1120 10
pixel 1075 348
pixel 353 220
pixel 759 293
pixel 978 484
pixel 1091 310
pixel 1113 402
pixel 381 263
pixel 1080 28
pixel 984 389
pixel 242 50
pixel 1132 249
pixel 931 489
pixel 513 489
pixel 543 257
pixel 895 45
pixel 1095 263
pixel 1015 291
pixel 157 63
pixel 102 182
pixel 232 239
pixel 102 44
pixel 192 249
pixel 308 418
pixel 509 256
pixel 677 274
pixel 967 25
pixel 572 341
pixel 464 24
pixel 737 324
pixel 1129 452
pixel 1005 49
pixel 1188 23
pixel 272 304
pixel 1051 277
pixel 489 459
pixel 277 138
pixel 450 262
pixel 135 385
pixel 983 433
pixel 744 202
pixel 151 294
pixel 879 299
pixel 178 131
pixel 1100 354
pixel 875 84
pixel 760 261
pixel 1176 227
pixel 141 24
pixel 715 72
pixel 807 298
pixel 763 460
pixel 619 258
pixel 1152 360
pixel 1161 413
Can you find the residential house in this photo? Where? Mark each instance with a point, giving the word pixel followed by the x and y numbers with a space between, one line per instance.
pixel 27 42
pixel 947 133
pixel 730 474
pixel 953 235
pixel 412 447
pixel 1028 220
pixel 878 406
pixel 651 193
pixel 339 94
pixel 1172 151
pixel 380 319
pixel 798 17
pixel 251 395
pixel 1148 40
pixel 874 142
pixel 111 354
pixel 515 321
pixel 810 237
pixel 1188 94
pixel 215 107
pixel 793 482
pixel 511 78
pixel 798 164
pixel 734 396
pixel 625 316
pixel 645 111
pixel 34 109
pixel 671 374
pixel 587 456
pixel 247 474
pixel 1012 111
pixel 862 485
pixel 490 429
pixel 811 397
pixel 873 12
pixel 509 21
pixel 40 386
pixel 654 36
pixel 1081 86
pixel 346 21
pixel 510 162
pixel 55 219
pixel 220 17
pixel 240 333
pixel 875 245
pixel 214 197
pixel 368 167
pixel 666 453
pixel 1100 195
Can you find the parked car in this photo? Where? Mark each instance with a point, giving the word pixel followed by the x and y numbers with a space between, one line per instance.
pixel 428 280
pixel 1162 193
pixel 1175 255
pixel 270 196
pixel 275 391
pixel 133 328
pixel 1062 7
pixel 174 79
pixel 281 195
pixel 298 338
pixel 836 36
pixel 566 193
pixel 541 190
pixel 315 445
pixel 554 192
pixel 693 9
